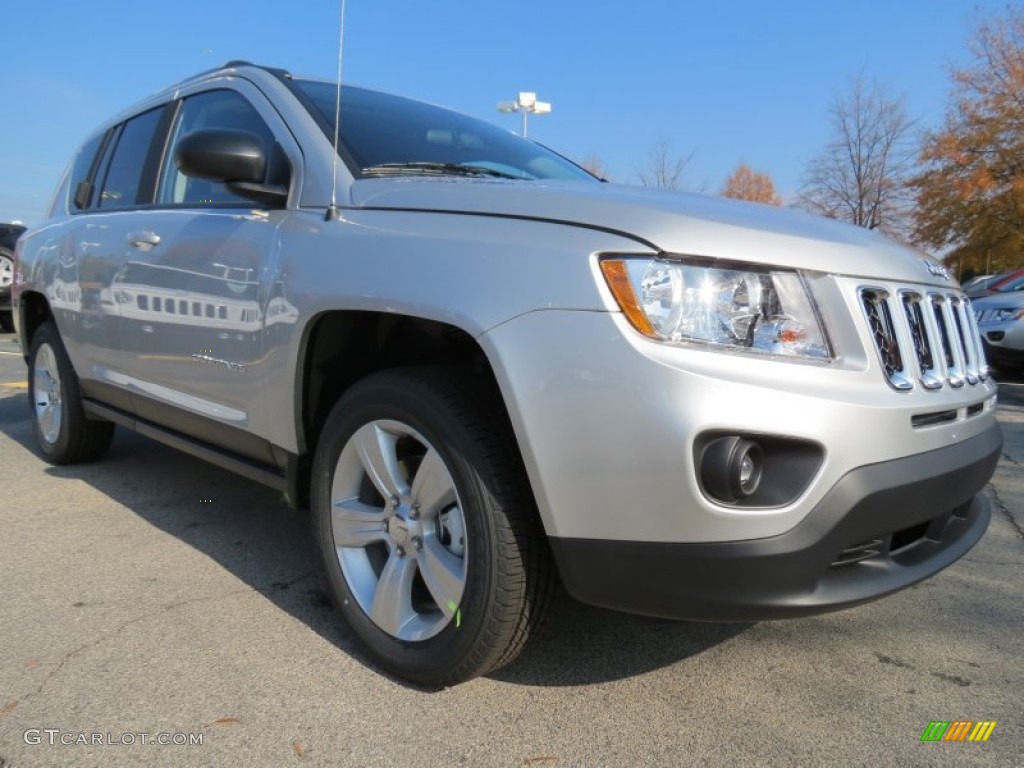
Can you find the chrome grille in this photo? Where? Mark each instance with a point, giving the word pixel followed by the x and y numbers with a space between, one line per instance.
pixel 924 336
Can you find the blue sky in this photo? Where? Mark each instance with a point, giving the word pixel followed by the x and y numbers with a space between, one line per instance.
pixel 733 80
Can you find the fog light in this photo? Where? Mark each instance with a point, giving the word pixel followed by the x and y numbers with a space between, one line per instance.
pixel 730 468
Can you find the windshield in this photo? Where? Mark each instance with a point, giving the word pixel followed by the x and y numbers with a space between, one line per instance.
pixel 384 135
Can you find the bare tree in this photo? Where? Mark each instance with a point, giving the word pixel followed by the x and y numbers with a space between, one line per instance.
pixel 663 169
pixel 861 176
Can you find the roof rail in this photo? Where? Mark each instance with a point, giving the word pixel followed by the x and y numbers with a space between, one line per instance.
pixel 281 73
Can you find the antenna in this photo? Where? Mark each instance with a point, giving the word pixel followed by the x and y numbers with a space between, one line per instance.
pixel 333 214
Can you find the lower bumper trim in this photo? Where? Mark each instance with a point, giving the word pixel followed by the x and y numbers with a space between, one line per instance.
pixel 882 528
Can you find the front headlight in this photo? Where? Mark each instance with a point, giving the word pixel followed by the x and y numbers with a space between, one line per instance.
pixel 736 307
pixel 1006 314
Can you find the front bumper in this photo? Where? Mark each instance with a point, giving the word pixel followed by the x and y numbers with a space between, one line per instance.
pixel 1002 354
pixel 880 528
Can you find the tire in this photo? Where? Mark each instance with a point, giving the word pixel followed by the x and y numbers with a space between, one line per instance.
pixel 64 434
pixel 429 540
pixel 6 280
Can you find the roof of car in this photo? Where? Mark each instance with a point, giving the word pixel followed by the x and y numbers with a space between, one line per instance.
pixel 234 67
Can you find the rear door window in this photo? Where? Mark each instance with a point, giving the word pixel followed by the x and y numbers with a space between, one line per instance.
pixel 127 166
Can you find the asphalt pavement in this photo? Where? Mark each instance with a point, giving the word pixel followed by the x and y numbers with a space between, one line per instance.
pixel 152 598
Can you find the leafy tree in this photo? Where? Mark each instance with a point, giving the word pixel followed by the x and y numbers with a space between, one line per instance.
pixel 594 165
pixel 861 175
pixel 747 184
pixel 970 195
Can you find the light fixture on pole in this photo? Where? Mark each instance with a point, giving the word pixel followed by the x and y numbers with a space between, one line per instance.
pixel 525 104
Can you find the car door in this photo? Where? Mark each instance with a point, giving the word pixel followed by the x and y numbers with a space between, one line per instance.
pixel 109 178
pixel 194 295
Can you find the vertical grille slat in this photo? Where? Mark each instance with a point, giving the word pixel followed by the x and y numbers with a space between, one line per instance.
pixel 923 339
pixel 944 310
pixel 876 307
pixel 979 349
pixel 924 336
pixel 967 345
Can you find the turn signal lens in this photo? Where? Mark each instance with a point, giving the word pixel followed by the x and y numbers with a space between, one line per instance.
pixel 617 277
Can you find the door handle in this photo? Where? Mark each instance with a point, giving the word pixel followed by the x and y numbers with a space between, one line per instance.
pixel 143 240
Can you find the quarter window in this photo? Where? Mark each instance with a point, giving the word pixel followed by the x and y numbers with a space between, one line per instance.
pixel 212 109
pixel 82 187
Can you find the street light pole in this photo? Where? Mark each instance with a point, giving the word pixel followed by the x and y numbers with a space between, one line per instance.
pixel 525 104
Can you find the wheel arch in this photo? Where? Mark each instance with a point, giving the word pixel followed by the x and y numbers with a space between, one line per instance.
pixel 34 310
pixel 342 347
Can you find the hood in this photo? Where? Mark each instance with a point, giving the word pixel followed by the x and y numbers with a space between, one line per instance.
pixel 689 224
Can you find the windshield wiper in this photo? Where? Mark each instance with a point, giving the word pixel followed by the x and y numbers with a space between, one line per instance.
pixel 436 169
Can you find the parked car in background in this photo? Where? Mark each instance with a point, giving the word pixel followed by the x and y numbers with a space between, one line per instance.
pixel 976 282
pixel 1006 281
pixel 480 366
pixel 1001 322
pixel 9 234
pixel 1011 284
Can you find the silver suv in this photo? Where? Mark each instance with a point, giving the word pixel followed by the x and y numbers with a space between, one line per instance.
pixel 483 369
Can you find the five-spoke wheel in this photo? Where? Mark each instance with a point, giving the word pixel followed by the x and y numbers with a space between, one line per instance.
pixel 64 434
pixel 400 538
pixel 429 541
pixel 46 390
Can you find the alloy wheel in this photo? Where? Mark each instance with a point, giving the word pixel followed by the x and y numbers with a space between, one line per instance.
pixel 399 531
pixel 46 389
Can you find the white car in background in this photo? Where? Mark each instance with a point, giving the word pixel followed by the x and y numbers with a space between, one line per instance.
pixel 1002 329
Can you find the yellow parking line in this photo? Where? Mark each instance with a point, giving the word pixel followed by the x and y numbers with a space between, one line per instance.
pixel 14 384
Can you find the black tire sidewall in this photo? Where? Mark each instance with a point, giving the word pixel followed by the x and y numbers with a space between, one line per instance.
pixel 383 397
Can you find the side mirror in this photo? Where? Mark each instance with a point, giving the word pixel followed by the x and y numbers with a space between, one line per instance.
pixel 235 158
pixel 220 155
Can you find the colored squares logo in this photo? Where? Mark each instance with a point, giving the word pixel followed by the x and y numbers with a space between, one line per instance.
pixel 958 730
